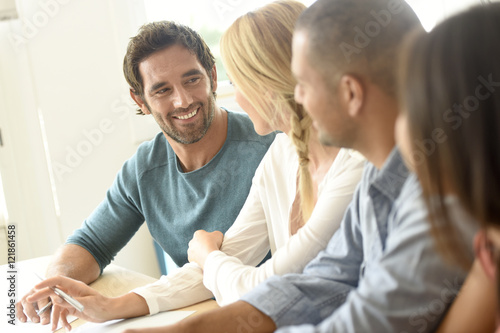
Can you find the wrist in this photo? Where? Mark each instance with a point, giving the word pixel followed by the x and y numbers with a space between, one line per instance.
pixel 127 306
pixel 206 255
pixel 211 255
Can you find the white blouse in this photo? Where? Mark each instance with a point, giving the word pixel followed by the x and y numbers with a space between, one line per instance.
pixel 262 225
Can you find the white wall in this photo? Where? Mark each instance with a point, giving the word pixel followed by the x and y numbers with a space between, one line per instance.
pixel 61 62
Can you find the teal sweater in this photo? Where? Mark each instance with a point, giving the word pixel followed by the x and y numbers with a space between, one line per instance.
pixel 152 187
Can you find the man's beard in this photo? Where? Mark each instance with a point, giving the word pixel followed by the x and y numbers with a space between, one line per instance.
pixel 325 139
pixel 190 133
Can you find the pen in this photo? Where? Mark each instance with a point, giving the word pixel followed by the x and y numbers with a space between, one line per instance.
pixel 42 310
pixel 73 302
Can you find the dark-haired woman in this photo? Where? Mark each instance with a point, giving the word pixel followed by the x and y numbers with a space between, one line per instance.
pixel 449 132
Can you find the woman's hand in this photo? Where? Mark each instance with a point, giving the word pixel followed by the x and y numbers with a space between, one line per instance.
pixel 97 308
pixel 202 244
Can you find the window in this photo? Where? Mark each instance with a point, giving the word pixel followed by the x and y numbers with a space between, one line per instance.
pixel 431 12
pixel 210 18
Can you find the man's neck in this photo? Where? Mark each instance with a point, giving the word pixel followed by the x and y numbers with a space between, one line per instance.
pixel 196 155
pixel 378 151
pixel 376 137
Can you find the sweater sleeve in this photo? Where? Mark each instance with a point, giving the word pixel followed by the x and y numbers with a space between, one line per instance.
pixel 230 273
pixel 117 218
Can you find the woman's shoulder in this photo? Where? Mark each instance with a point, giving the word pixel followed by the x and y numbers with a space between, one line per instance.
pixel 279 163
pixel 282 150
pixel 347 160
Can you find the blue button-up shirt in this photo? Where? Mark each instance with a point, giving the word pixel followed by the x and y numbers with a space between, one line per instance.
pixel 379 273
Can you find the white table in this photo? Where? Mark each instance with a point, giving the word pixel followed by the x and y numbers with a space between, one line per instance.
pixel 114 281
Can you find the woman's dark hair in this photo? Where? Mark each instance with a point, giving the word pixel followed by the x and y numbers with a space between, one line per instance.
pixel 450 90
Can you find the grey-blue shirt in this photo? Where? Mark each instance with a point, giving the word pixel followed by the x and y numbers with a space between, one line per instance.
pixel 152 187
pixel 380 271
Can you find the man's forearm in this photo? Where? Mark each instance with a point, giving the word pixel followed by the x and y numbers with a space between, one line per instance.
pixel 237 317
pixel 75 262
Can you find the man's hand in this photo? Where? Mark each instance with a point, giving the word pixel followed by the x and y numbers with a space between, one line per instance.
pixel 25 309
pixel 202 244
pixel 97 308
pixel 70 260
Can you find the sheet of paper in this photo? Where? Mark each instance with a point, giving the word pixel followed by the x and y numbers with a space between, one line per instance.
pixel 25 328
pixel 24 279
pixel 118 326
pixel 30 327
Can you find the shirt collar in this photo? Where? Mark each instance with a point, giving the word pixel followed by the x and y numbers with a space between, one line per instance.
pixel 391 177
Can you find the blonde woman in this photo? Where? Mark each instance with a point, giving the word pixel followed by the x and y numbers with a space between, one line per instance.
pixel 301 188
pixel 298 196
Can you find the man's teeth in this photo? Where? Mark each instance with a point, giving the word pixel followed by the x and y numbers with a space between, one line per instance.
pixel 190 115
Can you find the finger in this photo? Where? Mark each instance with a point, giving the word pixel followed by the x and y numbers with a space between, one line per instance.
pixel 56 313
pixel 71 285
pixel 64 320
pixel 190 255
pixel 39 295
pixel 20 312
pixel 47 292
pixel 44 316
pixel 199 233
pixel 220 237
pixel 30 311
pixel 61 302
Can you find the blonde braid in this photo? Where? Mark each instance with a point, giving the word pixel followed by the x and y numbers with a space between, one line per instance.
pixel 300 132
pixel 257 51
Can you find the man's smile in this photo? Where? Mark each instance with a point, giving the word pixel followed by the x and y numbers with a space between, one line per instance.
pixel 189 115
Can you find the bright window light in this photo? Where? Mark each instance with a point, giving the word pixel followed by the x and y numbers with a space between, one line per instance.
pixel 209 18
pixel 431 12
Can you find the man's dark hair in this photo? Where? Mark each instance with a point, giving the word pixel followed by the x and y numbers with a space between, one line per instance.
pixel 155 37
pixel 357 37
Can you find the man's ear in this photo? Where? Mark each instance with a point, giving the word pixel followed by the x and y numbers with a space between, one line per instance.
pixel 214 78
pixel 483 253
pixel 138 100
pixel 351 93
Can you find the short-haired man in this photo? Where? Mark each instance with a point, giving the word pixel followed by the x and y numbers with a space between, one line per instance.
pixel 380 272
pixel 196 174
